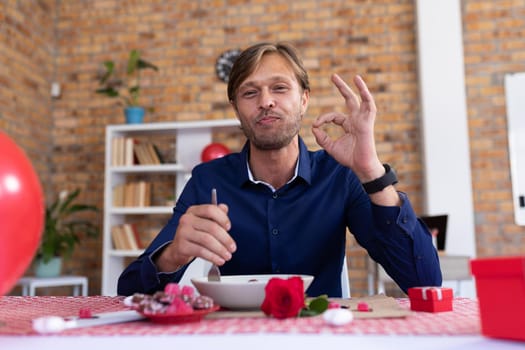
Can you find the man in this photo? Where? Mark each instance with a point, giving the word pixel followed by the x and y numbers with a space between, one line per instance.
pixel 284 209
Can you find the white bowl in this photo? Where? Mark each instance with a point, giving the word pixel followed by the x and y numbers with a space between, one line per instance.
pixel 240 291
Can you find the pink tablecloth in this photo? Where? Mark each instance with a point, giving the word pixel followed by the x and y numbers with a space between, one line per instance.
pixel 16 314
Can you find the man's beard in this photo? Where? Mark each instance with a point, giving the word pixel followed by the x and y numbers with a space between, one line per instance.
pixel 277 140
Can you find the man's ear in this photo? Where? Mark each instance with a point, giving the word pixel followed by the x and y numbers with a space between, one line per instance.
pixel 304 101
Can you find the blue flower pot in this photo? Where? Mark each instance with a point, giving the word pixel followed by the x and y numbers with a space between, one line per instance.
pixel 50 269
pixel 134 115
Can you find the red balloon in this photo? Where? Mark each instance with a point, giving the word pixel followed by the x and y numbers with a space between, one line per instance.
pixel 21 213
pixel 214 151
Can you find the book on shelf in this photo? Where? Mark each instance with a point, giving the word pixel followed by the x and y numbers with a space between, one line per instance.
pixel 129 195
pixel 143 193
pixel 118 146
pixel 118 238
pixel 156 155
pixel 118 195
pixel 132 194
pixel 132 236
pixel 147 235
pixel 141 154
pixel 125 237
pixel 148 153
pixel 129 155
pixel 127 151
pixel 114 151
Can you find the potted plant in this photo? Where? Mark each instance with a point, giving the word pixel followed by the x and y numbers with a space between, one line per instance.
pixel 62 233
pixel 126 87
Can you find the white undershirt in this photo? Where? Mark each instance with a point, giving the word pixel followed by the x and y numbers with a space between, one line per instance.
pixel 252 179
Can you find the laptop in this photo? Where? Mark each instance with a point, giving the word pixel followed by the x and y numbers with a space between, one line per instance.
pixel 438 222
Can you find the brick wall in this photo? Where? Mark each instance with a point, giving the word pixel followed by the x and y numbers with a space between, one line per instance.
pixel 184 39
pixel 374 39
pixel 27 48
pixel 494 46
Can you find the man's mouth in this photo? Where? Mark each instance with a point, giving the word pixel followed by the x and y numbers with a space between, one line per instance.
pixel 267 119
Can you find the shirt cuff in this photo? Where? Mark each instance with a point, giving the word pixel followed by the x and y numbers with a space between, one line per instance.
pixel 152 277
pixel 392 218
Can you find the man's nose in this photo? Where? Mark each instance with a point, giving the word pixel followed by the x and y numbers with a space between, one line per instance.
pixel 266 100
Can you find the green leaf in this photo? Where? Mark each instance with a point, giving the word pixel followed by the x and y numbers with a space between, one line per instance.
pixel 315 306
pixel 61 233
pixel 109 91
pixel 66 202
pixel 319 304
pixel 126 88
pixel 110 68
pixel 133 61
pixel 307 313
pixel 142 64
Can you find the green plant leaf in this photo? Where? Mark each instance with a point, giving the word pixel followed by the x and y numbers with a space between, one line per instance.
pixel 62 233
pixel 65 202
pixel 133 61
pixel 319 304
pixel 127 88
pixel 110 68
pixel 307 313
pixel 142 64
pixel 109 91
pixel 315 306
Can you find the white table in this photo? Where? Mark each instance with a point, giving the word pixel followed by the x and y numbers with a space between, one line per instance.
pixel 29 284
pixel 262 341
pixel 241 333
pixel 453 268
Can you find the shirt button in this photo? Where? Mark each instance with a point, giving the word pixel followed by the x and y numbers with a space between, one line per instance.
pixel 275 196
pixel 405 220
pixel 388 222
pixel 275 231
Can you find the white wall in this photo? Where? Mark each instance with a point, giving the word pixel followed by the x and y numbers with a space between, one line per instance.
pixel 447 176
pixel 515 95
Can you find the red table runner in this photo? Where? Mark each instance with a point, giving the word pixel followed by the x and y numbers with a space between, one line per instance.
pixel 17 313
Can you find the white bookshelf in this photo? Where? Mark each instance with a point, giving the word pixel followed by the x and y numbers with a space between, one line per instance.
pixel 189 139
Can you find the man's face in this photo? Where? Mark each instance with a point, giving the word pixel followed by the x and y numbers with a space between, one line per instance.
pixel 270 104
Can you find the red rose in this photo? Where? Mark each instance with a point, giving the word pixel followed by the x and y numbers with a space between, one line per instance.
pixel 284 297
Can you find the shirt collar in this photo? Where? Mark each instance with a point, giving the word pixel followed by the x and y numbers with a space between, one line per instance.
pixel 302 167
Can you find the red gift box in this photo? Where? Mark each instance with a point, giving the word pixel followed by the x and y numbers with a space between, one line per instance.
pixel 500 287
pixel 430 299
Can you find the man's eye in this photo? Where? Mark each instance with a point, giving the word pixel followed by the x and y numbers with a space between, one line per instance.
pixel 280 88
pixel 249 93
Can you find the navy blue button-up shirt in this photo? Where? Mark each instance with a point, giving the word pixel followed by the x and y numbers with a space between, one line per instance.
pixel 299 228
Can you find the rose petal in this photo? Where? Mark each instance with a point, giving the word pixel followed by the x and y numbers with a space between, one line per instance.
pixel 283 297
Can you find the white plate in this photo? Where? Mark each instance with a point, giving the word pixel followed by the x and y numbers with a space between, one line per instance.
pixel 240 291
